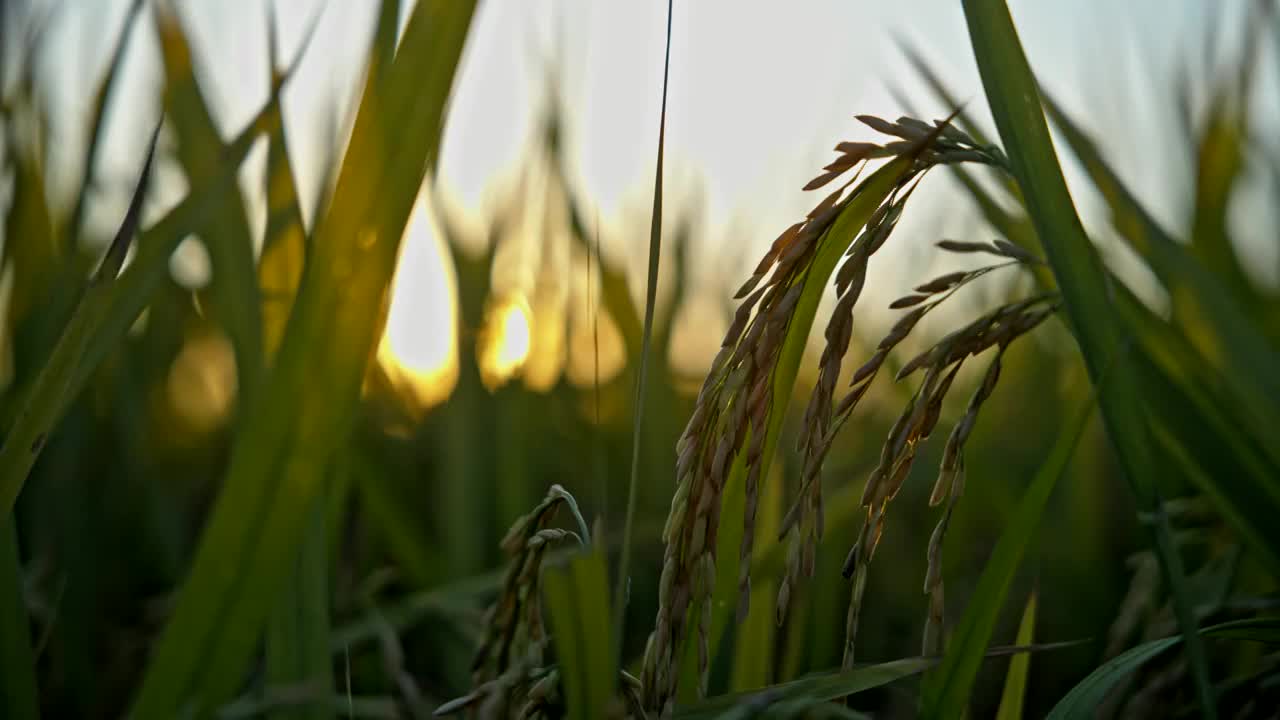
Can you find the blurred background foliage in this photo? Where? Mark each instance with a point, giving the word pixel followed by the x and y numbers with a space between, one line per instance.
pixel 532 329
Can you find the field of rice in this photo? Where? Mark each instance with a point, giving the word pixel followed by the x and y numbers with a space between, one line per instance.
pixel 294 433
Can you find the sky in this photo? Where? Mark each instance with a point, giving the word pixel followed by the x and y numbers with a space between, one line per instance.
pixel 760 91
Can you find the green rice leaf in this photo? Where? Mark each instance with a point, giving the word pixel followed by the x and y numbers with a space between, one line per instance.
pixel 1203 306
pixel 826 686
pixel 1015 681
pixel 52 387
pixel 1083 700
pixel 297 637
pixel 1220 163
pixel 577 599
pixel 651 290
pixel 1188 401
pixel 101 319
pixel 1200 435
pixel 284 244
pixel 1261 630
pixel 1013 95
pixel 224 231
pixel 135 286
pixel 101 99
pixel 285 443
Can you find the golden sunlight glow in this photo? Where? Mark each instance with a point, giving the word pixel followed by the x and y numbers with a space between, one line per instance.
pixel 545 363
pixel 419 348
pixel 506 340
pixel 201 385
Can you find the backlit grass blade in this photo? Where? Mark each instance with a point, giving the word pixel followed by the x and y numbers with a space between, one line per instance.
pixel 104 316
pixel 577 600
pixel 285 443
pixel 30 241
pixel 101 99
pixel 39 413
pixel 945 692
pixel 1201 446
pixel 1220 162
pixel 1083 700
pixel 1192 420
pixel 136 284
pixel 1015 680
pixel 1184 398
pixel 297 637
pixel 1202 304
pixel 225 231
pixel 18 695
pixel 51 390
pixel 284 244
pixel 1184 395
pixel 1013 95
pixel 826 686
pixel 1260 630
pixel 651 295
pixel 833 685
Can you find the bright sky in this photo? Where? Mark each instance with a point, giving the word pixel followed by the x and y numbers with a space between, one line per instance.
pixel 760 92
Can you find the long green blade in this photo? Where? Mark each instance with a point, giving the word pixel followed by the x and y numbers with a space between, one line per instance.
pixel 828 686
pixel 651 290
pixel 297 637
pixel 52 388
pixel 578 601
pixel 1193 416
pixel 1015 681
pixel 285 443
pixel 1013 95
pixel 225 231
pixel 1083 700
pixel 1208 311
pixel 101 100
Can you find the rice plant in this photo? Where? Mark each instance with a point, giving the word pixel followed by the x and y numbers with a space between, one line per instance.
pixel 321 543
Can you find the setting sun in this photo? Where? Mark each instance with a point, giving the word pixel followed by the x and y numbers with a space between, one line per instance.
pixel 419 346
pixel 506 341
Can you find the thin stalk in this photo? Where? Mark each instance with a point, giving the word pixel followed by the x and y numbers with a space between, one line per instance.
pixel 655 252
pixel 593 315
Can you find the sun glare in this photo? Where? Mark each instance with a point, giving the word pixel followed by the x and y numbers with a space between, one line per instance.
pixel 419 346
pixel 507 340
